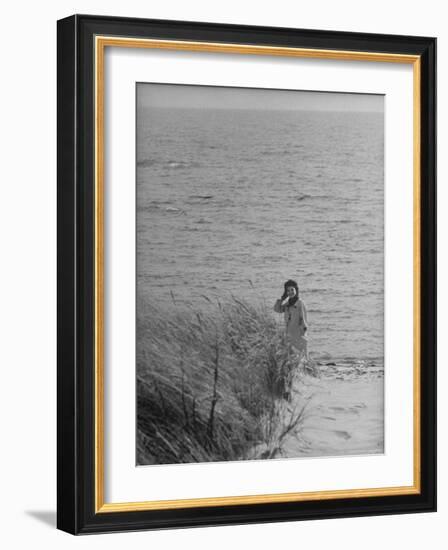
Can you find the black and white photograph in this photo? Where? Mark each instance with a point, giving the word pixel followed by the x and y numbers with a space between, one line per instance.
pixel 260 274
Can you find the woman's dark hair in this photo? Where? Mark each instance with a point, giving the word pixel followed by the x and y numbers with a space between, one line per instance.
pixel 292 283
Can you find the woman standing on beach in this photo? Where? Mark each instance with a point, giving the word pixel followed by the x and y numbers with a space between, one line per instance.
pixel 296 321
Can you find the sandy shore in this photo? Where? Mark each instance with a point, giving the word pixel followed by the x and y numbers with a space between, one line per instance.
pixel 344 414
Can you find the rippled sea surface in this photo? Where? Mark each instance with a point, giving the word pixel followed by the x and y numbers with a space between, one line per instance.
pixel 238 201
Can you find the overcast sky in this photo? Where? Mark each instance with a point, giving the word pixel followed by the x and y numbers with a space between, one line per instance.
pixel 217 97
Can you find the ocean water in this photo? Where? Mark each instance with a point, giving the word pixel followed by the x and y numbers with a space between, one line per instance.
pixel 238 201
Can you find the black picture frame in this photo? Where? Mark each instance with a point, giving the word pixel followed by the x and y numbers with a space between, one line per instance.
pixel 76 474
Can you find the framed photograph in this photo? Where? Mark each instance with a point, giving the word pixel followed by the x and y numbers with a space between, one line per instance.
pixel 246 274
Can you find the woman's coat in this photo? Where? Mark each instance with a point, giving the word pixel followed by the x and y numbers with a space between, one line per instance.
pixel 295 323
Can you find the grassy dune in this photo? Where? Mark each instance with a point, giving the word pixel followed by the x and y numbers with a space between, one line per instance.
pixel 212 385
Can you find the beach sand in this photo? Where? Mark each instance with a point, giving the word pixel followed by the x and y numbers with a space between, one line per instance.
pixel 344 413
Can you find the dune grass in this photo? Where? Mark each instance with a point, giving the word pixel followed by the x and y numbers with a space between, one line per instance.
pixel 213 384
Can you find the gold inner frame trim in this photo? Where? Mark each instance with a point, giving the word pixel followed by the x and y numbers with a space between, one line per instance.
pixel 101 42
